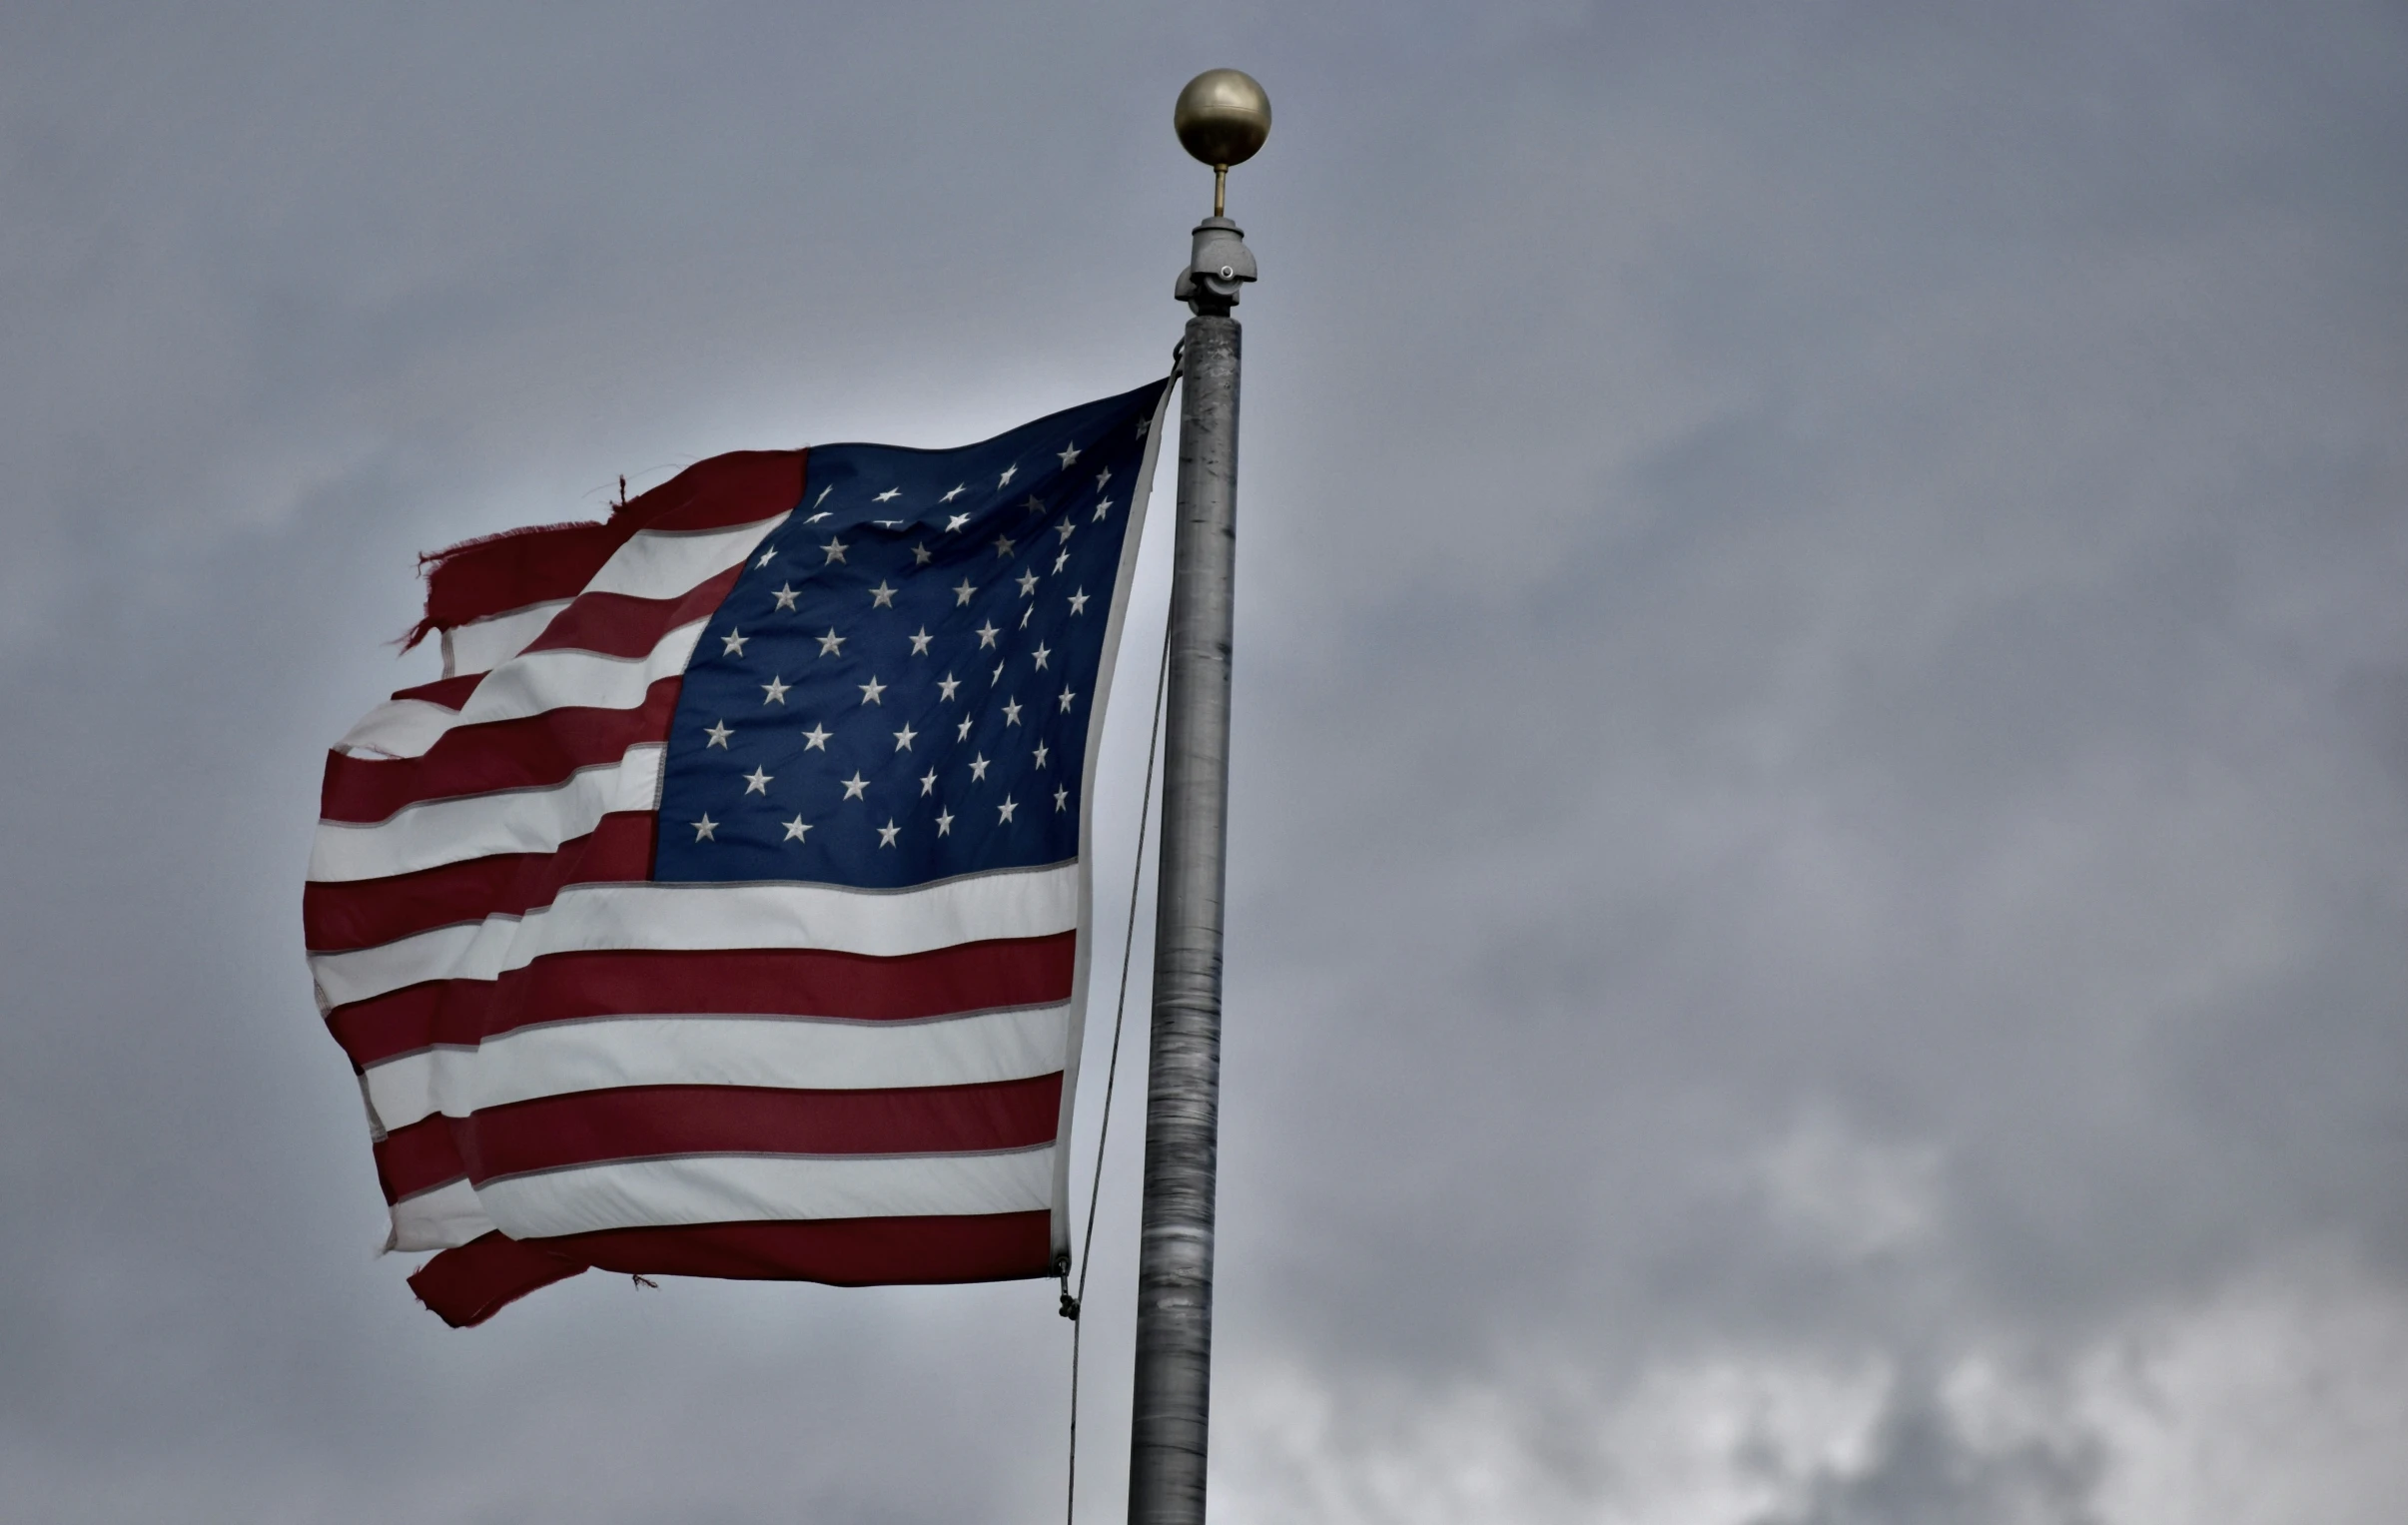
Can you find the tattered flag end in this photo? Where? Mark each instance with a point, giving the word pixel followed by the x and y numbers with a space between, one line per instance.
pixel 468 1285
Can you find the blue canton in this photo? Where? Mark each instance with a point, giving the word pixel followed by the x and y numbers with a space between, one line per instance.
pixel 899 687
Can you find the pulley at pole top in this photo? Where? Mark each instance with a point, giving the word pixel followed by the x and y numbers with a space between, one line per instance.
pixel 1221 118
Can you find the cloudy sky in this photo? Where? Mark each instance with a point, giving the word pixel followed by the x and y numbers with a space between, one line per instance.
pixel 1820 807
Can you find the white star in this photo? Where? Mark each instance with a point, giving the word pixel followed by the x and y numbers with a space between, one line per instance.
pixel 888 496
pixel 816 739
pixel 1063 529
pixel 947 685
pixel 955 492
pixel 1028 584
pixel 944 823
pixel 718 733
pixel 1143 425
pixel 921 556
pixel 920 640
pixel 1069 455
pixel 888 832
pixel 815 518
pixel 795 829
pixel 871 690
pixel 1032 505
pixel 987 634
pixel 785 597
pixel 831 644
pixel 955 521
pixel 1062 560
pixel 1011 712
pixel 1103 508
pixel 1002 546
pixel 1066 697
pixel 1024 615
pixel 903 738
pixel 823 497
pixel 882 597
pixel 1005 481
pixel 1003 811
pixel 1040 754
pixel 732 644
pixel 704 827
pixel 1061 797
pixel 996 676
pixel 978 767
pixel 1102 477
pixel 1078 603
pixel 775 691
pixel 836 550
pixel 855 785
pixel 888 524
pixel 758 781
pixel 1042 651
pixel 928 783
pixel 961 595
pixel 963 734
pixel 768 556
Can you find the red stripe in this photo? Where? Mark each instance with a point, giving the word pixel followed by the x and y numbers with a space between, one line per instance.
pixel 363 913
pixel 770 982
pixel 620 624
pixel 739 487
pixel 533 752
pixel 477 579
pixel 418 1158
pixel 470 1284
pixel 860 1251
pixel 451 693
pixel 648 1122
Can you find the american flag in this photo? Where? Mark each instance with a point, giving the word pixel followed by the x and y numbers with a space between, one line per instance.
pixel 722 910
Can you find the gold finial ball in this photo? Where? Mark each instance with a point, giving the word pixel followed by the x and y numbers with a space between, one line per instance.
pixel 1221 117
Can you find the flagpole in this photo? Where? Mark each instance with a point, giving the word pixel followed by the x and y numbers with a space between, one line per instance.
pixel 1222 117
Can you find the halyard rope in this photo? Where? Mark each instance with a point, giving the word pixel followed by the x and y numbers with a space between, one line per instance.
pixel 1072 1302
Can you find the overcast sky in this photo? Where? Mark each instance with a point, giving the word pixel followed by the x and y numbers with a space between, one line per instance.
pixel 1819 854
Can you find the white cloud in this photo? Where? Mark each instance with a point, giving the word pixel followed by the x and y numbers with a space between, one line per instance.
pixel 2280 1399
pixel 1719 1441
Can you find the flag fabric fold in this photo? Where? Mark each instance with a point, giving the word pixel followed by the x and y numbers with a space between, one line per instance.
pixel 723 909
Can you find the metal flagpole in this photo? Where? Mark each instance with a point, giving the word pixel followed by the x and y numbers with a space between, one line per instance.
pixel 1222 117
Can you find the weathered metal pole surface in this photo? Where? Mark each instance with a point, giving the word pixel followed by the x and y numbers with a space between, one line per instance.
pixel 1171 1407
pixel 1222 117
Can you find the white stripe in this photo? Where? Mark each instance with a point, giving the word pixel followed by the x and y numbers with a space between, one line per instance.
pixel 1010 903
pixel 396 728
pixel 482 645
pixel 418 1086
pixel 786 1052
pixel 447 1216
pixel 436 832
pixel 344 978
pixel 659 563
pixel 735 1189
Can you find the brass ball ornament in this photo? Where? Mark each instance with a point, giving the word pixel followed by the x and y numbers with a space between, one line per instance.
pixel 1221 118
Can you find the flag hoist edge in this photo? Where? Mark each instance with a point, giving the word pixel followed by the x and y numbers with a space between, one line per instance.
pixel 723 910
